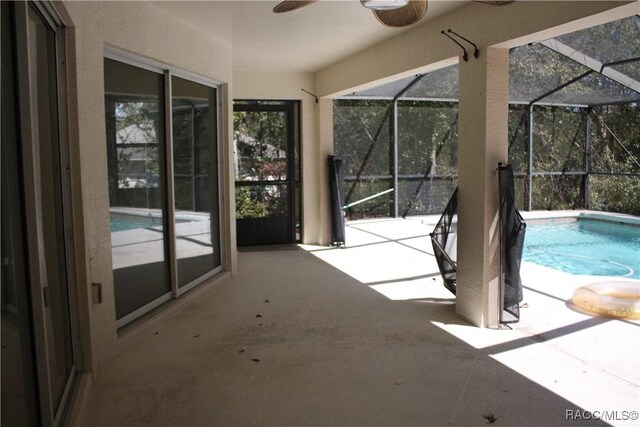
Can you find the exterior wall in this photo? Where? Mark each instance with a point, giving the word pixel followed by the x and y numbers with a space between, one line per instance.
pixel 148 32
pixel 288 86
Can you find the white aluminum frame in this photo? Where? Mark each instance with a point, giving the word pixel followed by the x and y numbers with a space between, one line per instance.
pixel 51 414
pixel 168 72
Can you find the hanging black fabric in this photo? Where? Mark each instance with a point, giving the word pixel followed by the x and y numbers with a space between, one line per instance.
pixel 444 242
pixel 512 229
pixel 336 189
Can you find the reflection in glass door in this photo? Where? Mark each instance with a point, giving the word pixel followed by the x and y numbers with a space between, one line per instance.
pixel 135 147
pixel 267 169
pixel 163 186
pixel 195 178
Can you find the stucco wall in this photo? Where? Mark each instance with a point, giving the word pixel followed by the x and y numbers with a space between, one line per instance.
pixel 288 86
pixel 144 30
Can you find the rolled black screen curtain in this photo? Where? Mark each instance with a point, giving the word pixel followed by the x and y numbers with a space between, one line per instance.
pixel 444 242
pixel 336 189
pixel 512 229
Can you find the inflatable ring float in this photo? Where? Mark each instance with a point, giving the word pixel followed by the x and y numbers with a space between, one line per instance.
pixel 610 299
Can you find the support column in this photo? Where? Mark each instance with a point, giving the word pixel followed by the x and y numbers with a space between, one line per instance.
pixel 325 148
pixel 483 142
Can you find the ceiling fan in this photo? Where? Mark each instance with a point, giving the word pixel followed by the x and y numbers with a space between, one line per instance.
pixel 392 13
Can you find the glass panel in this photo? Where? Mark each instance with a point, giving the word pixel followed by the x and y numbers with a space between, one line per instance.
pixel 195 179
pixel 17 373
pixel 48 187
pixel 135 147
pixel 260 143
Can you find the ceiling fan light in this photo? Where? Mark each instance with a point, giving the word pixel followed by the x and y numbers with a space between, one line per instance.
pixel 384 4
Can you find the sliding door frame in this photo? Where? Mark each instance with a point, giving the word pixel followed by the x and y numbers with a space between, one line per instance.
pixel 181 290
pixel 169 222
pixel 52 413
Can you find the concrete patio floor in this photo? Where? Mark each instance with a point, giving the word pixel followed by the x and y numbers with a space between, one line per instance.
pixel 364 336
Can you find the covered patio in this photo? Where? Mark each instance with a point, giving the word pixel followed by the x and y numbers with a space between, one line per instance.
pixel 127 298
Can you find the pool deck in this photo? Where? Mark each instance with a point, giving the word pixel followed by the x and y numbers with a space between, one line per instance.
pixel 589 360
pixel 365 336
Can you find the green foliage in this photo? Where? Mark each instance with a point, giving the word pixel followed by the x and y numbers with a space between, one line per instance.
pixel 615 194
pixel 246 207
pixel 260 201
pixel 260 139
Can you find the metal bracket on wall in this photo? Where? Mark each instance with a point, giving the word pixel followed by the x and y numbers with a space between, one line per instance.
pixel 465 56
pixel 306 91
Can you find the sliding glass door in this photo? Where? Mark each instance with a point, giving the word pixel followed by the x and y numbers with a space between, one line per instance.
pixel 134 101
pixel 163 186
pixel 195 179
pixel 38 304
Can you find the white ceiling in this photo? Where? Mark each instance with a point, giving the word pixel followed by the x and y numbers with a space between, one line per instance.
pixel 306 39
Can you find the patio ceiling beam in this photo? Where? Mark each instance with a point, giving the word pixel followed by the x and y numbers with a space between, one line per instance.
pixel 591 63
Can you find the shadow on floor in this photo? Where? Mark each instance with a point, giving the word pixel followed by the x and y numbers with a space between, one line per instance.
pixel 290 340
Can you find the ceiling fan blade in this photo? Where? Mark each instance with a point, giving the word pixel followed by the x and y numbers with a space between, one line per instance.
pixel 289 5
pixel 407 15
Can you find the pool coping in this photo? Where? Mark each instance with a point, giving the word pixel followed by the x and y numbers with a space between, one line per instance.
pixel 571 216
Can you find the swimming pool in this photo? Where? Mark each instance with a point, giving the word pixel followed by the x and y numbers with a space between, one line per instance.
pixel 121 222
pixel 584 246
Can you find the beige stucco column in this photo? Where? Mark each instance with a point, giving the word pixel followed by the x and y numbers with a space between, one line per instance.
pixel 483 129
pixel 325 148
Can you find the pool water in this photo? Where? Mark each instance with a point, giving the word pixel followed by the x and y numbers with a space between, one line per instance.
pixel 130 222
pixel 585 246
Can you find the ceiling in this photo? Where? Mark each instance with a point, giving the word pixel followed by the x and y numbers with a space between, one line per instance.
pixel 306 39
